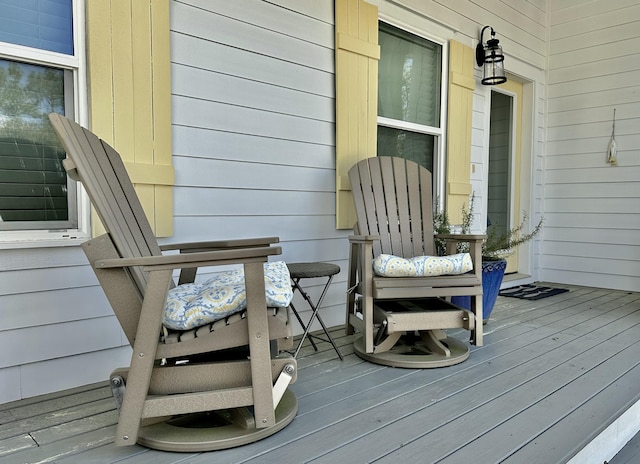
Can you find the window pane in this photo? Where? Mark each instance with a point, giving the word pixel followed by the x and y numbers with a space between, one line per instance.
pixel 46 25
pixel 499 191
pixel 33 182
pixel 409 77
pixel 409 145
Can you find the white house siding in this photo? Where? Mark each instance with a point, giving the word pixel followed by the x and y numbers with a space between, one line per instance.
pixel 521 27
pixel 253 135
pixel 520 23
pixel 56 328
pixel 592 209
pixel 253 130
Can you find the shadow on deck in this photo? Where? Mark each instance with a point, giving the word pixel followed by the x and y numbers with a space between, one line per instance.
pixel 553 374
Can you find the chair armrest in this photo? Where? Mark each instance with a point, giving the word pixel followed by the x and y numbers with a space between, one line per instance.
pixel 363 238
pixel 191 260
pixel 220 244
pixel 462 237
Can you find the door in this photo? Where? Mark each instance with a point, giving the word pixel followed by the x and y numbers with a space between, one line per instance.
pixel 505 133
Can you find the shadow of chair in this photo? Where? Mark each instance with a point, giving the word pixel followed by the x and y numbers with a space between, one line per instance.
pixel 215 386
pixel 402 318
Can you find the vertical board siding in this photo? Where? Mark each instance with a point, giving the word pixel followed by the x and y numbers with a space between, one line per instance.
pixel 459 128
pixel 129 96
pixel 593 218
pixel 356 56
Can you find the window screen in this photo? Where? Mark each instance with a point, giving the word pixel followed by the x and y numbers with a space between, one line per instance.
pixel 409 96
pixel 409 77
pixel 41 24
pixel 33 183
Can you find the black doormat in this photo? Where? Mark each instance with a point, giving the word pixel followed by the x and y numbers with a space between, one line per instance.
pixel 532 292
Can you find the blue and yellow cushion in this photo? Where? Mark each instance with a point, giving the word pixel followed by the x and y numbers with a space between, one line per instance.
pixel 422 266
pixel 192 305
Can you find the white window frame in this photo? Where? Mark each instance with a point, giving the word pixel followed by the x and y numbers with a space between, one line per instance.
pixel 77 64
pixel 439 173
pixel 441 35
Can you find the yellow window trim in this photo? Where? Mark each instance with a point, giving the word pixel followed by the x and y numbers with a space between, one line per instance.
pixel 459 123
pixel 130 96
pixel 150 174
pixel 355 45
pixel 357 55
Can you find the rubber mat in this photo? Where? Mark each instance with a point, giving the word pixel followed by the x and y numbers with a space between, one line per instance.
pixel 532 292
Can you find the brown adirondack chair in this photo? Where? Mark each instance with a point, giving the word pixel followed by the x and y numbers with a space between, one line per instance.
pixel 228 376
pixel 402 319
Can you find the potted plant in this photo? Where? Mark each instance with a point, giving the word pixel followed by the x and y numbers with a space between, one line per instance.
pixel 495 249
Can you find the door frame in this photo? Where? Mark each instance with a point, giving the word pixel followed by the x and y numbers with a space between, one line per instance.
pixel 522 170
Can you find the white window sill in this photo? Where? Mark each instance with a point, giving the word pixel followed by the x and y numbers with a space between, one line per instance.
pixel 41 239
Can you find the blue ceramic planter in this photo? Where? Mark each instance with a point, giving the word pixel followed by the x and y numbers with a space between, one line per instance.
pixel 492 274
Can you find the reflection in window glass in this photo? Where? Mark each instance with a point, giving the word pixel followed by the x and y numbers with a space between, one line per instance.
pixel 409 77
pixel 413 146
pixel 33 182
pixel 409 97
pixel 40 24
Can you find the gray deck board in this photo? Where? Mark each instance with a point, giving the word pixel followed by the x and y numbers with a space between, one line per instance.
pixel 61 417
pixel 539 404
pixel 581 414
pixel 551 375
pixel 498 385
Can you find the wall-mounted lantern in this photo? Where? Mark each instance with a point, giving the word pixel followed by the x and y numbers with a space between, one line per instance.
pixel 491 59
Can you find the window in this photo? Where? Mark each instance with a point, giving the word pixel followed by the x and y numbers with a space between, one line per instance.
pixel 34 188
pixel 38 71
pixel 409 97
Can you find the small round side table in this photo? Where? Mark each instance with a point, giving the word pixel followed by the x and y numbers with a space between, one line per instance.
pixel 299 271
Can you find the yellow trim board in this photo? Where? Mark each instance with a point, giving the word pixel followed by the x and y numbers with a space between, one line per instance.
pixel 459 123
pixel 357 55
pixel 130 97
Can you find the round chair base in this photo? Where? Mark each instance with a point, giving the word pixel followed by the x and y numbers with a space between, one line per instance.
pixel 212 431
pixel 415 355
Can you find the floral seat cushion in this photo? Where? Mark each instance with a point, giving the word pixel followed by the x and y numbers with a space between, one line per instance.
pixel 422 266
pixel 192 305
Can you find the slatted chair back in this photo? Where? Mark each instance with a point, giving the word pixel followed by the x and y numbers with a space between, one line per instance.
pixel 214 383
pixel 393 199
pixel 99 167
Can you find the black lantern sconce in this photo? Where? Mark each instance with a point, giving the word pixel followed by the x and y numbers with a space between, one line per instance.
pixel 491 59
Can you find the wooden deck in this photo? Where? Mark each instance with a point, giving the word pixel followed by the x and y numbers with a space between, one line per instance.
pixel 551 376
